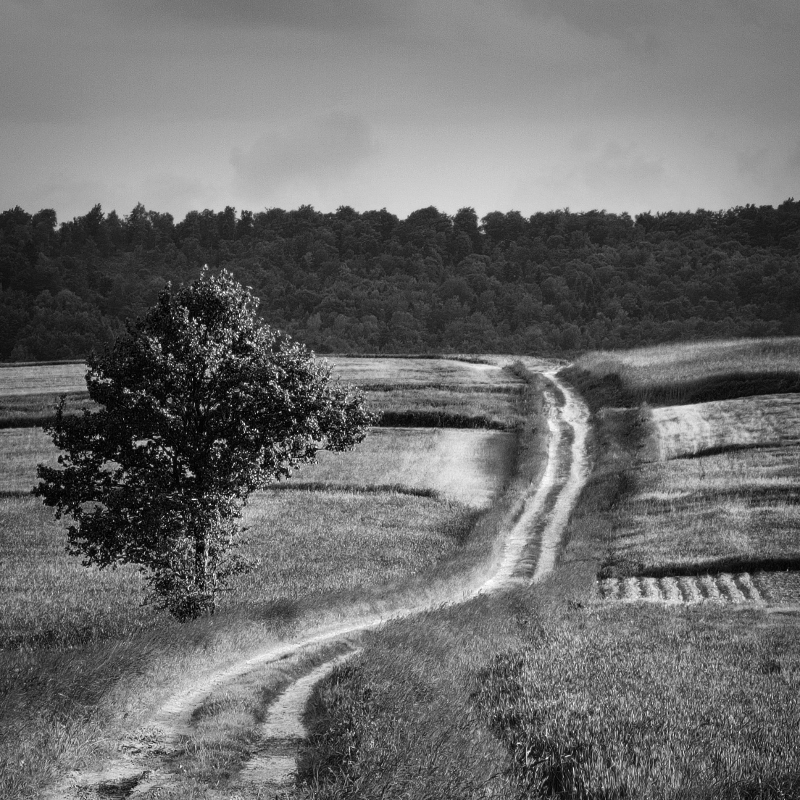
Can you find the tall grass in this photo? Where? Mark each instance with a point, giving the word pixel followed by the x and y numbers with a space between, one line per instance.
pixel 83 660
pixel 586 701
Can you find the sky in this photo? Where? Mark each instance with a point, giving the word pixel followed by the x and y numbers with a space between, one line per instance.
pixel 530 105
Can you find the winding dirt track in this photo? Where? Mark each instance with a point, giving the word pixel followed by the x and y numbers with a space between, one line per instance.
pixel 529 552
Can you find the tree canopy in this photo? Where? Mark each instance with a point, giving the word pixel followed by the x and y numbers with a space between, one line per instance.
pixel 370 282
pixel 200 404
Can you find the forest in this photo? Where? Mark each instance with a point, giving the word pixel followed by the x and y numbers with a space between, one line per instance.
pixel 370 282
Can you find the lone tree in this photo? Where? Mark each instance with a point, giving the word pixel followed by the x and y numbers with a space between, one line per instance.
pixel 200 403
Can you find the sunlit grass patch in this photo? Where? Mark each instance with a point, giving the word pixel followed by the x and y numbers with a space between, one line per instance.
pixel 690 372
pixel 735 509
pixel 766 420
pixel 676 363
pixel 469 466
pixel 42 378
pixel 419 371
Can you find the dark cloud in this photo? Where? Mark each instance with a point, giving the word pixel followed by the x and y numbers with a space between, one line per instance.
pixel 325 149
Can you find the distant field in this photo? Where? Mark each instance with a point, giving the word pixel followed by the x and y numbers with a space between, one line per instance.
pixel 419 371
pixel 462 465
pixel 711 508
pixel 703 428
pixel 404 392
pixel 54 378
pixel 42 379
pixel 689 373
pixel 738 509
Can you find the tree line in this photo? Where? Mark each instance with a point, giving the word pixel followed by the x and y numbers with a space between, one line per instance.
pixel 372 282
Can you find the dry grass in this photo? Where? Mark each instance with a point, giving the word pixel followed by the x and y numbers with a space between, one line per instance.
pixel 678 363
pixel 470 466
pixel 592 702
pixel 42 379
pixel 735 508
pixel 497 409
pixel 420 372
pixel 727 424
pixel 82 658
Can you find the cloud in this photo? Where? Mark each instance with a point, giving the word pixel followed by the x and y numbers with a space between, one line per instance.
pixel 327 149
pixel 315 14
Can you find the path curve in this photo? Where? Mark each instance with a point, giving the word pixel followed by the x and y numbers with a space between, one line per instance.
pixel 546 511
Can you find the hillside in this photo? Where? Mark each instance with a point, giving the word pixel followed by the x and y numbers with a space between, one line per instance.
pixel 371 282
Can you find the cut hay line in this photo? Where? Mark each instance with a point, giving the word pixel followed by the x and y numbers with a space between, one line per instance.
pixel 763 588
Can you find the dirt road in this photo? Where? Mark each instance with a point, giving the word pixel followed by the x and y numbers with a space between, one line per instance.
pixel 529 553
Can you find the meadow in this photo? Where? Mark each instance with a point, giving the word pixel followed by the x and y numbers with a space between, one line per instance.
pixel 690 372
pixel 402 391
pixel 83 652
pixel 545 690
pixel 551 690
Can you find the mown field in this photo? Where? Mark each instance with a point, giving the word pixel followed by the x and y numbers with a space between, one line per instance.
pixel 82 652
pixel 556 690
pixel 690 373
pixel 637 670
pixel 403 391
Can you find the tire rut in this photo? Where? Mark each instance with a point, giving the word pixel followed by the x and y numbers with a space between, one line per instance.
pixel 529 555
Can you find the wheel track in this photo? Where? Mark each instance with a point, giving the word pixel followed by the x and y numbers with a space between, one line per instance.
pixel 542 520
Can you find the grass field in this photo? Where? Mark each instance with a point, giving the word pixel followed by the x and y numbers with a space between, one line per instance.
pixel 548 691
pixel 543 691
pixel 690 373
pixel 404 392
pixel 34 379
pixel 417 372
pixel 725 425
pixel 79 646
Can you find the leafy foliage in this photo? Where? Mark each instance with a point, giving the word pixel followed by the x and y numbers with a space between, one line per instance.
pixel 200 405
pixel 371 282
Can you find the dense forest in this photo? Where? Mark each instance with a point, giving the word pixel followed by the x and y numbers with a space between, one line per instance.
pixel 371 282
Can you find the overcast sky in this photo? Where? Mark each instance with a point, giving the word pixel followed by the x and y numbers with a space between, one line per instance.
pixel 626 105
